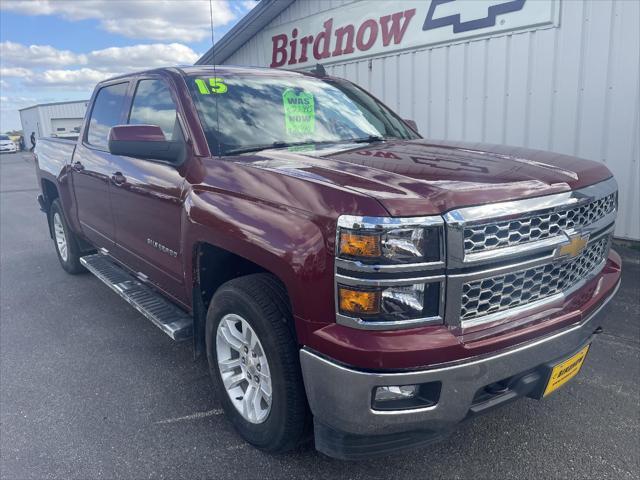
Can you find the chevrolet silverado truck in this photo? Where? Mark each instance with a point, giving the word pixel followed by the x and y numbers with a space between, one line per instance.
pixel 345 277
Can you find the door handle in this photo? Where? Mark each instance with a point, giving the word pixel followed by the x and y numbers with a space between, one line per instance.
pixel 118 179
pixel 77 166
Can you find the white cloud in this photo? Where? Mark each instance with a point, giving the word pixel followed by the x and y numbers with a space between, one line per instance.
pixel 29 64
pixel 142 56
pixel 14 102
pixel 80 78
pixel 249 4
pixel 14 72
pixel 31 55
pixel 134 57
pixel 182 20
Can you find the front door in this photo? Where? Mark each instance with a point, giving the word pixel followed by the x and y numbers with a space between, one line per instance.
pixel 147 197
pixel 92 167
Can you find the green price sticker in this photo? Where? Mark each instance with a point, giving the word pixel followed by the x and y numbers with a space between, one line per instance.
pixel 299 112
pixel 215 85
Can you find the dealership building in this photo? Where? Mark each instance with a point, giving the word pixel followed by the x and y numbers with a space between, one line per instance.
pixel 557 75
pixel 59 119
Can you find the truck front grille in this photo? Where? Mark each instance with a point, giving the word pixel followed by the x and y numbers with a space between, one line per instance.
pixel 545 224
pixel 507 259
pixel 495 294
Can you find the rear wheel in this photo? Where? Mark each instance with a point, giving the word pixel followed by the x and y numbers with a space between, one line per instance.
pixel 64 240
pixel 253 360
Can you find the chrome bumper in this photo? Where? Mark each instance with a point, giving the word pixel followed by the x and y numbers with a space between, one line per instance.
pixel 340 398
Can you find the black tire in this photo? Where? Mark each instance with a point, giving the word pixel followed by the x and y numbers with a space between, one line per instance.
pixel 262 301
pixel 72 263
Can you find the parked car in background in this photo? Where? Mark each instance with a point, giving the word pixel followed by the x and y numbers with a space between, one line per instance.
pixel 7 145
pixel 340 272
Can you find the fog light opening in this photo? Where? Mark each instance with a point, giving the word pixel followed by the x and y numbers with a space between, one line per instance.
pixel 406 397
pixel 390 393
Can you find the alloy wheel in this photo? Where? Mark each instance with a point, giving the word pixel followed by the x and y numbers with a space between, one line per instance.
pixel 60 236
pixel 244 368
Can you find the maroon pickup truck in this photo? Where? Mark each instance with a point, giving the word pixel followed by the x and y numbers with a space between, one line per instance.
pixel 343 275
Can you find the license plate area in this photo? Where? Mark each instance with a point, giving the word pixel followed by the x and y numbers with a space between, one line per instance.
pixel 564 371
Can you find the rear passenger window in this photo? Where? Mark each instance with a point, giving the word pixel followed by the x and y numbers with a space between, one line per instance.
pixel 106 113
pixel 153 105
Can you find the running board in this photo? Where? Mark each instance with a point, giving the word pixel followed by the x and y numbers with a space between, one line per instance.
pixel 165 315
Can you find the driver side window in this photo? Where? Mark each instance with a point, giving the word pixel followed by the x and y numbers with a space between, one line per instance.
pixel 153 105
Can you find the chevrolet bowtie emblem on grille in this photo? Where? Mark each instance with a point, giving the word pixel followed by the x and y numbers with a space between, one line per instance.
pixel 574 247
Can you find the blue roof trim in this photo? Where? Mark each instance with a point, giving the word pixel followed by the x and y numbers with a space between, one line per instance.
pixel 245 29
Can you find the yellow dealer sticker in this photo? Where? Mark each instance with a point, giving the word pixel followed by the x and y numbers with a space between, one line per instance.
pixel 565 371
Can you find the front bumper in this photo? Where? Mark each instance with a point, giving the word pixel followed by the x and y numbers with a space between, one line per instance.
pixel 341 398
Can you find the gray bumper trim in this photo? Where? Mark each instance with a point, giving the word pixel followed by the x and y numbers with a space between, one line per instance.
pixel 340 397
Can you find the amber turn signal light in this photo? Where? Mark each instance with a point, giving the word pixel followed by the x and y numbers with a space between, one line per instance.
pixel 359 301
pixel 358 245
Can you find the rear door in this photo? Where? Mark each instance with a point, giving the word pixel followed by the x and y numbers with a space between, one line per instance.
pixel 147 199
pixel 92 166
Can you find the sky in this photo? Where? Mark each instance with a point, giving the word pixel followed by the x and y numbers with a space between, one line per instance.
pixel 57 50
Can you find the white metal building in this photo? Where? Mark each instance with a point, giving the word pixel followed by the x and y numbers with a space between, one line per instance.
pixel 47 119
pixel 557 75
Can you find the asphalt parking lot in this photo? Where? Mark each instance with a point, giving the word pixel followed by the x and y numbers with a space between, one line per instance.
pixel 91 389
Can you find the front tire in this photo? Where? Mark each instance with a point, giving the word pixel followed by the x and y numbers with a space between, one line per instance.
pixel 64 240
pixel 253 360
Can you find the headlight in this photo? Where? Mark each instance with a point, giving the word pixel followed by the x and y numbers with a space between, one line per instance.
pixel 389 241
pixel 389 303
pixel 389 271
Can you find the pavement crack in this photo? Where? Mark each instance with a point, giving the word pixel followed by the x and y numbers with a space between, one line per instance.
pixel 629 342
pixel 193 416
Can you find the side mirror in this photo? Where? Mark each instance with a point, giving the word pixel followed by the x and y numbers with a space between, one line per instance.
pixel 145 141
pixel 412 124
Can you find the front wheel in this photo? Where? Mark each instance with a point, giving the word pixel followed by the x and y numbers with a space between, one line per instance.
pixel 254 363
pixel 64 240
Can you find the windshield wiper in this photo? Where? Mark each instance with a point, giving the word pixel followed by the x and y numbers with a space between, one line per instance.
pixel 257 148
pixel 254 148
pixel 369 139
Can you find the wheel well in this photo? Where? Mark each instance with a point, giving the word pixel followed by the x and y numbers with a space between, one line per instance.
pixel 50 192
pixel 217 266
pixel 214 266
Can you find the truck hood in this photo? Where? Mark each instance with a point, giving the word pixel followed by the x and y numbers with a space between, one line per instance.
pixel 420 177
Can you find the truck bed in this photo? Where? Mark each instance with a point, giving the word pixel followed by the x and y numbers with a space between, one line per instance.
pixel 53 154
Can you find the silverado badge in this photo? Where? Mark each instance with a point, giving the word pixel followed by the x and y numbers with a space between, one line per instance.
pixel 162 248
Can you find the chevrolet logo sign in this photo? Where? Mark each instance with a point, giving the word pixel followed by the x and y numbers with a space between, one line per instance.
pixel 574 247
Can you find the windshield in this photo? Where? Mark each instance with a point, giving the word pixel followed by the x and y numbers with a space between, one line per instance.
pixel 4 137
pixel 242 113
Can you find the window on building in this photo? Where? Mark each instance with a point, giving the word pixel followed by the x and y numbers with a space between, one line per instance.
pixel 106 113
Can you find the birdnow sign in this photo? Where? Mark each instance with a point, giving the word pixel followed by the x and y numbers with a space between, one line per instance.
pixel 370 28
